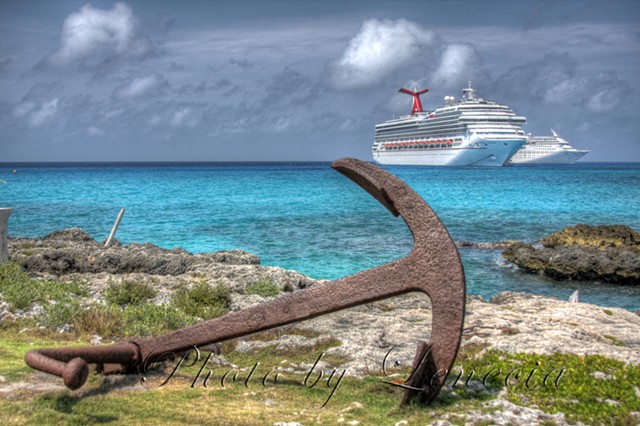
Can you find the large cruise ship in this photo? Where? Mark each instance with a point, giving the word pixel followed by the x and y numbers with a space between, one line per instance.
pixel 547 150
pixel 468 132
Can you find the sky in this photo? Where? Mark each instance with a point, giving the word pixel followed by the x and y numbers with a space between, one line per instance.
pixel 277 80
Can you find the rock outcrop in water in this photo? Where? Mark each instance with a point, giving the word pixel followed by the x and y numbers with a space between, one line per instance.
pixel 582 252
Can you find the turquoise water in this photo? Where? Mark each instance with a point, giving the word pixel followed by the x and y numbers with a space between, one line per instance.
pixel 307 217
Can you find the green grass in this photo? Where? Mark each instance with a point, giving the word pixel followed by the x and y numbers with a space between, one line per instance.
pixel 99 319
pixel 591 389
pixel 264 287
pixel 21 291
pixel 153 320
pixel 579 393
pixel 203 301
pixel 127 311
pixel 129 293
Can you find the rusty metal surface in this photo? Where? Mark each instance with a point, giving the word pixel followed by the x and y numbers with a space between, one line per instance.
pixel 432 267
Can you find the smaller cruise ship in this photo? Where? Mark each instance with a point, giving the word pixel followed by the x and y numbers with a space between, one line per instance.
pixel 547 150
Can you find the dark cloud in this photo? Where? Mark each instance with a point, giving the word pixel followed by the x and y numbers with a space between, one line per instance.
pixel 291 88
pixel 242 63
pixel 132 81
pixel 41 90
pixel 4 64
pixel 556 81
pixel 608 93
pixel 551 78
pixel 193 89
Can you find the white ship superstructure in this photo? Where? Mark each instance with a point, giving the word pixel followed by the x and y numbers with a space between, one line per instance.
pixel 547 150
pixel 469 132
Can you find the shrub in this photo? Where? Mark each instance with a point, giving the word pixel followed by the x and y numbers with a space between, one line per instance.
pixel 265 287
pixel 21 291
pixel 61 312
pixel 203 301
pixel 103 320
pixel 152 320
pixel 129 293
pixel 16 287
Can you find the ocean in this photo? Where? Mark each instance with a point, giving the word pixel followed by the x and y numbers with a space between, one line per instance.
pixel 310 218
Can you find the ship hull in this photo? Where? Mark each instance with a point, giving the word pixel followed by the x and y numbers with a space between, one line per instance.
pixel 476 152
pixel 560 157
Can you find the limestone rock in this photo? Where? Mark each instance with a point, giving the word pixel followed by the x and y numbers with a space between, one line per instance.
pixel 72 251
pixel 600 236
pixel 391 328
pixel 605 253
pixel 74 254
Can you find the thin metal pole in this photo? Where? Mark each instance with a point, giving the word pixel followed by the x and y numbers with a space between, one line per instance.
pixel 115 228
pixel 4 217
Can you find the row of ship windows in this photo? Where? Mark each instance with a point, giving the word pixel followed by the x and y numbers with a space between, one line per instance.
pixel 424 144
pixel 390 147
pixel 415 136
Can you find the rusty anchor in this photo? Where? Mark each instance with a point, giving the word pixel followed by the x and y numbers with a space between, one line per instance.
pixel 432 267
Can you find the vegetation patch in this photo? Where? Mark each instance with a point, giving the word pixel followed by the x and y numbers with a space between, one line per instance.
pixel 59 313
pixel 129 293
pixel 592 389
pixel 614 340
pixel 264 287
pixel 153 320
pixel 203 300
pixel 243 388
pixel 600 236
pixel 21 291
pixel 588 389
pixel 99 319
pixel 276 333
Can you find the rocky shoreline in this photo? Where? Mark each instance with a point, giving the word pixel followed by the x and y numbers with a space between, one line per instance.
pixel 513 322
pixel 509 322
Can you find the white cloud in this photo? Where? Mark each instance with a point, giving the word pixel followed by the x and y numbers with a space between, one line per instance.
pixel 603 101
pixel 564 91
pixel 42 114
pixel 142 86
pixel 378 49
pixel 607 93
pixel 93 31
pixel 183 117
pixel 95 131
pixel 24 108
pixel 459 62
